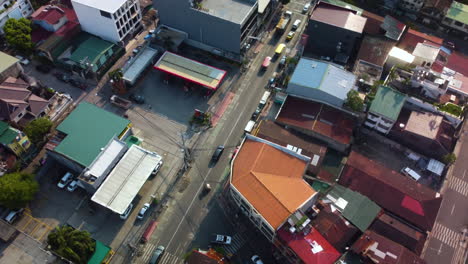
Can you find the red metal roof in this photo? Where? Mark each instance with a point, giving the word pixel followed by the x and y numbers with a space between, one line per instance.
pixel 317 117
pixel 396 193
pixel 458 62
pixel 311 248
pixel 373 23
pixel 411 38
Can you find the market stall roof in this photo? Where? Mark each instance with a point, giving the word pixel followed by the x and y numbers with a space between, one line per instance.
pixel 125 180
pixel 136 66
pixel 190 70
pixel 435 166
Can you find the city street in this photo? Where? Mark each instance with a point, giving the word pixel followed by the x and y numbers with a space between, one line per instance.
pixel 191 217
pixel 446 242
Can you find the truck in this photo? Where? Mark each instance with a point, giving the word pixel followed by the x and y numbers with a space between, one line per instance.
pixel 283 22
pixel 120 102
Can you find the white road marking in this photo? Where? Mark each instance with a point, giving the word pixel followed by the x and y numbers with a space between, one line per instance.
pixel 464 173
pixel 453 208
pixel 446 235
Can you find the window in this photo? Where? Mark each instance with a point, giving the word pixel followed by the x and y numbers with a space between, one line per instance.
pixel 105 14
pixel 448 20
pixel 458 24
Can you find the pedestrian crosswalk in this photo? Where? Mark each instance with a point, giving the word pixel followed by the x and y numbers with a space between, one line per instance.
pixel 167 258
pixel 236 243
pixel 446 235
pixel 459 185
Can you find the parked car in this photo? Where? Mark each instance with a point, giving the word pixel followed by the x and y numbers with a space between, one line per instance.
pixel 217 154
pixel 283 60
pixel 157 168
pixel 306 8
pixel 62 77
pixel 78 84
pixel 157 255
pixel 126 213
pixel 143 210
pixel 221 239
pixel 13 215
pixel 256 259
pixel 139 99
pixel 449 44
pixel 66 179
pixel 290 35
pixel 72 186
pixel 296 24
pixel 22 60
pixel 43 68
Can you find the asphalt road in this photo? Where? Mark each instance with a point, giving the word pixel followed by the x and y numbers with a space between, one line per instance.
pixel 191 216
pixel 445 243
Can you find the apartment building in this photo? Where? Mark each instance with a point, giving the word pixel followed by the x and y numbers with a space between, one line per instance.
pixel 456 18
pixel 113 21
pixel 385 109
pixel 14 9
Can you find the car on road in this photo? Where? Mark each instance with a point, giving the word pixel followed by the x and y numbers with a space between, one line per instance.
pixel 217 154
pixel 66 179
pixel 256 259
pixel 43 68
pixel 78 84
pixel 221 239
pixel 290 35
pixel 13 215
pixel 157 168
pixel 139 99
pixel 62 77
pixel 283 60
pixel 296 24
pixel 126 213
pixel 157 255
pixel 143 210
pixel 72 186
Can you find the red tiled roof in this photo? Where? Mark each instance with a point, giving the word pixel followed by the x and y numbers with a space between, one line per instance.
pixel 412 37
pixel 458 62
pixel 68 29
pixel 317 117
pixel 396 193
pixel 37 104
pixel 384 251
pixel 399 232
pixel 49 14
pixel 373 23
pixel 303 245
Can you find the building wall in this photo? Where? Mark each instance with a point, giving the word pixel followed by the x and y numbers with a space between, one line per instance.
pixel 20 9
pixel 313 94
pixel 111 27
pixel 50 27
pixel 71 165
pixel 13 71
pixel 455 25
pixel 325 45
pixel 379 123
pixel 411 5
pixel 200 27
pixel 21 145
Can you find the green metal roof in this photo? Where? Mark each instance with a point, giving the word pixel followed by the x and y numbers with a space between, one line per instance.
pixel 388 102
pixel 458 12
pixel 88 128
pixel 345 5
pixel 6 61
pixel 7 133
pixel 99 254
pixel 358 209
pixel 90 50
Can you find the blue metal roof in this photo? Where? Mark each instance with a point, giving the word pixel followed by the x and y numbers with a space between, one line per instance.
pixel 309 73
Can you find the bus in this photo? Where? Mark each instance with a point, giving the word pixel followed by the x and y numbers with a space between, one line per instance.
pixel 280 49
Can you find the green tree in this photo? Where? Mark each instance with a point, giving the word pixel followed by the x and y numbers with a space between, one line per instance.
pixel 285 2
pixel 449 158
pixel 72 244
pixel 17 189
pixel 353 101
pixel 18 34
pixel 37 129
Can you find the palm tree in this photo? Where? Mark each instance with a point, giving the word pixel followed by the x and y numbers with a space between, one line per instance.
pixel 72 244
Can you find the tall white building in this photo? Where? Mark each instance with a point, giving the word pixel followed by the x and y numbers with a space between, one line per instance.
pixel 14 9
pixel 111 20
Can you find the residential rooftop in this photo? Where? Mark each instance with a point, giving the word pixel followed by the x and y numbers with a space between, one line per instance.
pixel 270 177
pixel 392 191
pixel 88 129
pixel 6 61
pixel 458 12
pixel 108 6
pixel 426 51
pixel 339 17
pixel 393 28
pixel 375 50
pixel 388 103
pixel 90 49
pixel 412 37
pixel 373 23
pixel 230 10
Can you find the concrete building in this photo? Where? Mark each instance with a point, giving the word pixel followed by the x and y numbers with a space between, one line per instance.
pixel 385 109
pixel 456 18
pixel 14 9
pixel 113 21
pixel 411 5
pixel 222 27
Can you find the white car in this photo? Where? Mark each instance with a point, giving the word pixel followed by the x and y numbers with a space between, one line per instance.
pixel 66 179
pixel 72 186
pixel 306 8
pixel 126 213
pixel 157 168
pixel 22 60
pixel 256 259
pixel 143 210
pixel 221 239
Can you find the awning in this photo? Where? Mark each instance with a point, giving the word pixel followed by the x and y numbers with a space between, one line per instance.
pixel 435 166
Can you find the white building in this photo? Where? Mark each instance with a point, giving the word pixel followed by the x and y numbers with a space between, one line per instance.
pixel 111 20
pixel 14 9
pixel 385 109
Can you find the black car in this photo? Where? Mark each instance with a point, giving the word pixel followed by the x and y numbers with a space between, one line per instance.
pixel 43 68
pixel 62 77
pixel 78 83
pixel 139 99
pixel 217 154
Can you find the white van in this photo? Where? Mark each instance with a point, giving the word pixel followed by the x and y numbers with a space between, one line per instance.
pixel 11 217
pixel 410 173
pixel 265 97
pixel 248 128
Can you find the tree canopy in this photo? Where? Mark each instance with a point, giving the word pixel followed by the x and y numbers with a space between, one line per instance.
pixel 353 101
pixel 17 189
pixel 18 34
pixel 449 158
pixel 72 244
pixel 37 129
